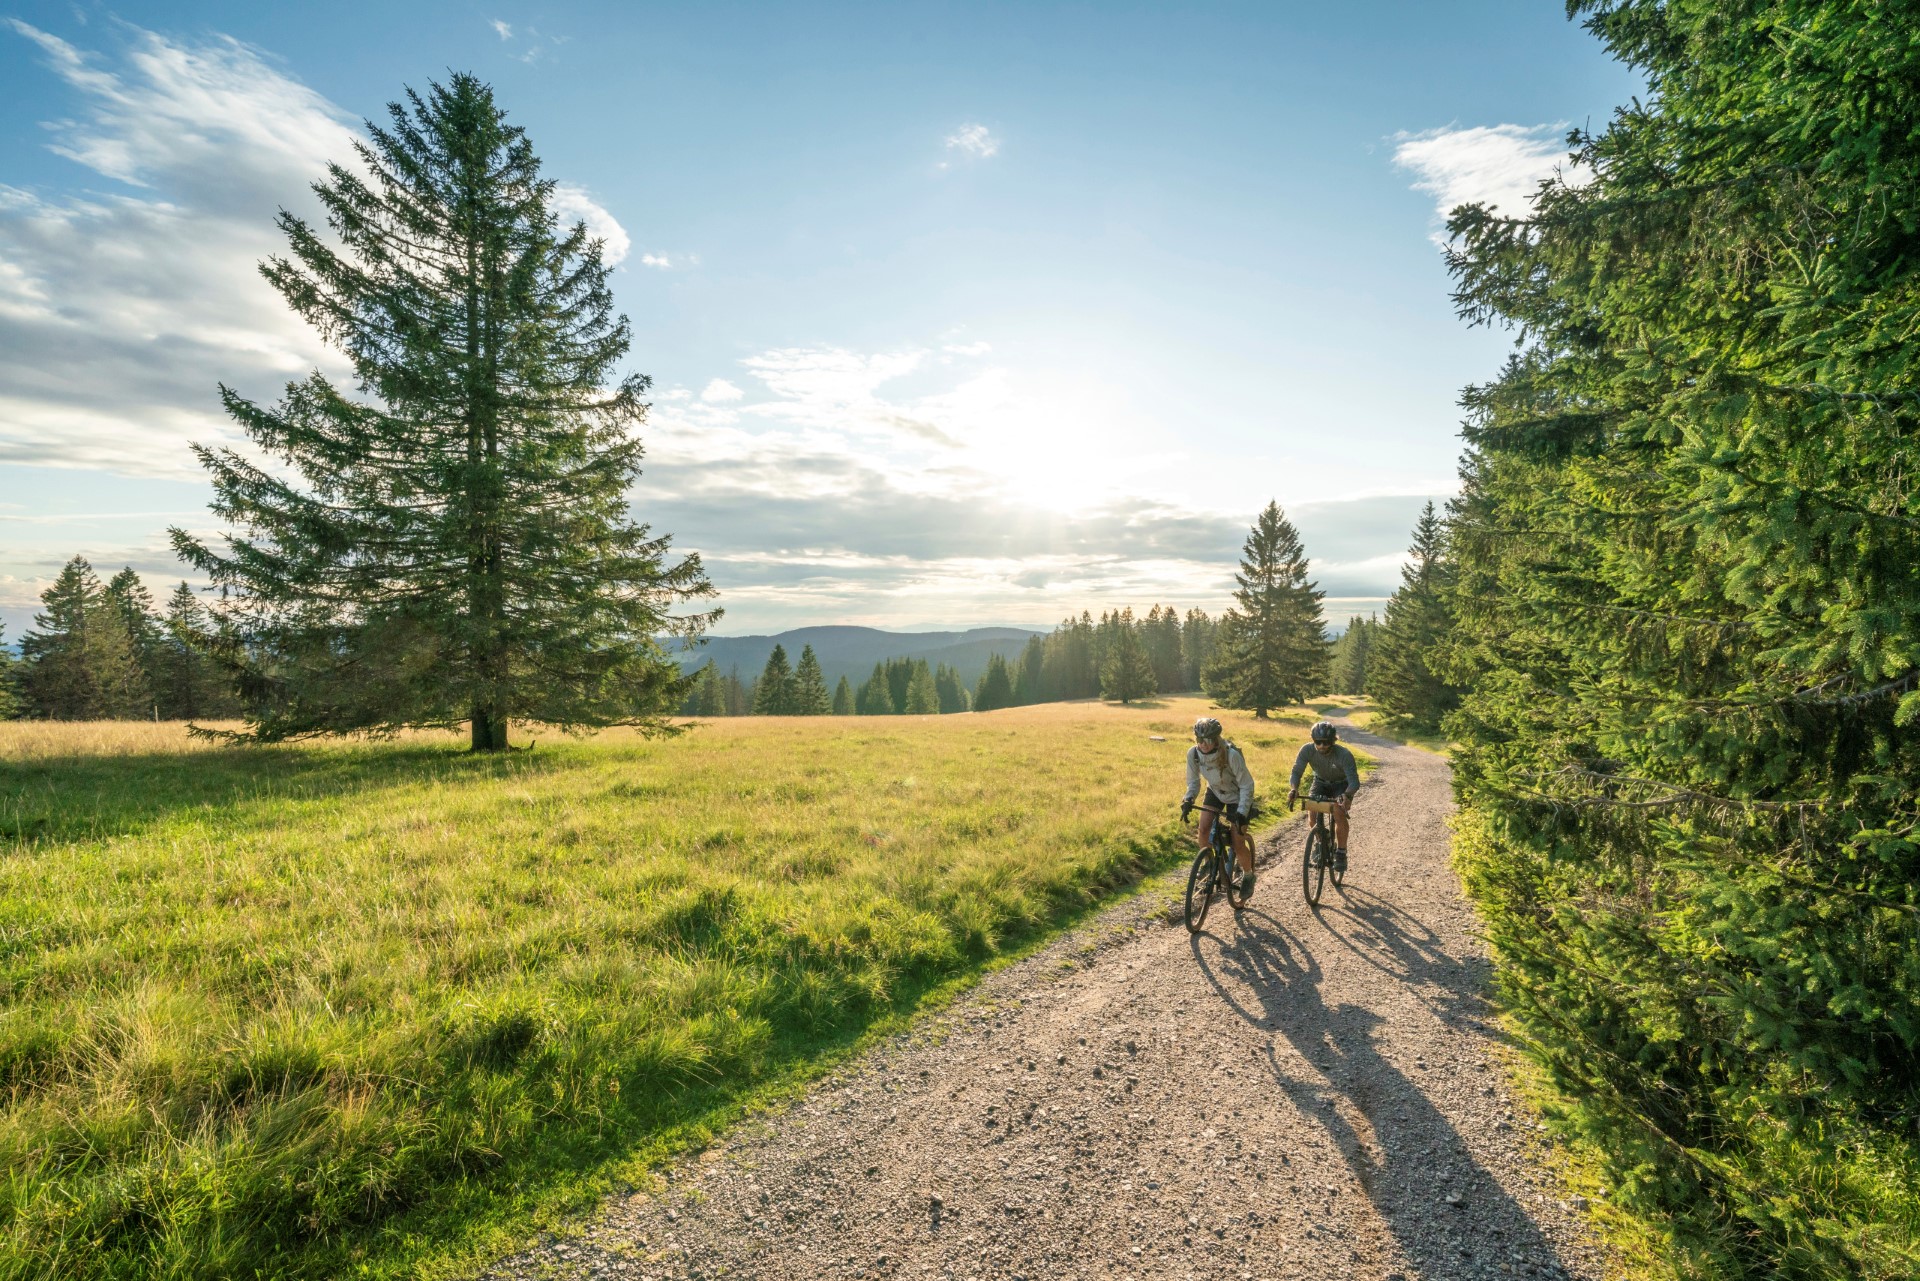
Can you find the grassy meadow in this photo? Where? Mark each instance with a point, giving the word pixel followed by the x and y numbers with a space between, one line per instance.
pixel 373 1007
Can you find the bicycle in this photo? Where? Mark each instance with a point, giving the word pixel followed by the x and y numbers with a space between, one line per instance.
pixel 1211 867
pixel 1317 861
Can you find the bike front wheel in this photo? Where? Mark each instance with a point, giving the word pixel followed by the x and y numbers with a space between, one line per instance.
pixel 1313 865
pixel 1200 886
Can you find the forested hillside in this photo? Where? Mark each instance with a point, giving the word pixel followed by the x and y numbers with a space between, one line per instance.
pixel 1682 597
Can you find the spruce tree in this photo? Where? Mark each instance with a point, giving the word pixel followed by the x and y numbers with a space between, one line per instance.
pixel 1128 673
pixel 456 546
pixel 709 692
pixel 1351 656
pixel 1272 650
pixel 134 603
pixel 875 697
pixel 953 694
pixel 809 686
pixel 10 704
pixel 1196 648
pixel 1030 678
pixel 776 694
pixel 923 696
pixel 995 689
pixel 188 684
pixel 843 698
pixel 1404 680
pixel 80 659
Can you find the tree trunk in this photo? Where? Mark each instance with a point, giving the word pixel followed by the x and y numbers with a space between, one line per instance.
pixel 489 731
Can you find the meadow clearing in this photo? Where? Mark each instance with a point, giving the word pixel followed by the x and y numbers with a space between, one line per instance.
pixel 375 1007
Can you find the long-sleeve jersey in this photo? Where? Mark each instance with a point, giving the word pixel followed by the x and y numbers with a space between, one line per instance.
pixel 1328 769
pixel 1226 772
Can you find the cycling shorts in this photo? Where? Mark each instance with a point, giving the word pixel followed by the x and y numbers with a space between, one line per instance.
pixel 1212 802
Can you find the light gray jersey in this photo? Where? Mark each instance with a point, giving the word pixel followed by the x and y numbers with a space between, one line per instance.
pixel 1225 771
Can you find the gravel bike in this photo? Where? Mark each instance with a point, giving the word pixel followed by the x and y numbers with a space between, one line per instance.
pixel 1317 861
pixel 1213 869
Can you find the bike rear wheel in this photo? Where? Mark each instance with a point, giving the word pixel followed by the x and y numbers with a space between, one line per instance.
pixel 1200 886
pixel 1313 865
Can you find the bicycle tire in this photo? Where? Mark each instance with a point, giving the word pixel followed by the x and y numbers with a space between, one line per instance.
pixel 1338 873
pixel 1313 866
pixel 1200 885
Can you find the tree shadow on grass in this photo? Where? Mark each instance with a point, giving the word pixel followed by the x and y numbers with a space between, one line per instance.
pixel 1399 1144
pixel 84 797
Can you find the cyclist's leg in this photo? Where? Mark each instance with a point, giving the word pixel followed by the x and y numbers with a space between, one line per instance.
pixel 1208 804
pixel 1243 847
pixel 1340 825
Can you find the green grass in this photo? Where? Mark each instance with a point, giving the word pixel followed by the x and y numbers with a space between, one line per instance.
pixel 376 1008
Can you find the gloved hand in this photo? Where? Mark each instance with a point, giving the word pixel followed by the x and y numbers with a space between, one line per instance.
pixel 1293 798
pixel 1186 811
pixel 1234 817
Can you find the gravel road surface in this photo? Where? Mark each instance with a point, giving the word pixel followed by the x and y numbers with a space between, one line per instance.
pixel 1290 1094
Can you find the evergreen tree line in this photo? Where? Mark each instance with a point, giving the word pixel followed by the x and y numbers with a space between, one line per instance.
pixel 104 651
pixel 1672 625
pixel 1269 650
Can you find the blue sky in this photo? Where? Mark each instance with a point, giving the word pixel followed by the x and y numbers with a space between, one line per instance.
pixel 956 314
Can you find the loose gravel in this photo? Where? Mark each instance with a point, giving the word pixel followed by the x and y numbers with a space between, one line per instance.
pixel 1291 1094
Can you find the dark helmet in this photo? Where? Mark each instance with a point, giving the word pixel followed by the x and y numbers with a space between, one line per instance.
pixel 1206 730
pixel 1323 732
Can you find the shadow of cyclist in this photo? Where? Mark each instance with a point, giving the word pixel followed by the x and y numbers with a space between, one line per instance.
pixel 1405 1153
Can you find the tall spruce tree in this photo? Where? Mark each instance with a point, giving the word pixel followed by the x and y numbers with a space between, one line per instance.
pixel 188 684
pixel 1352 656
pixel 1196 648
pixel 10 704
pixel 843 698
pixel 1405 679
pixel 810 696
pixel 1272 651
pixel 134 603
pixel 953 694
pixel 456 546
pixel 876 695
pixel 1128 672
pixel 1687 607
pixel 923 695
pixel 1030 678
pixel 775 693
pixel 995 689
pixel 80 659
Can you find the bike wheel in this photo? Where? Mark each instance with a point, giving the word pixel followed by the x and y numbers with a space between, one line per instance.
pixel 1313 866
pixel 1334 869
pixel 1200 885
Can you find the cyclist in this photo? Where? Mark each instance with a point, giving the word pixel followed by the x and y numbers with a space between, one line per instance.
pixel 1229 789
pixel 1336 777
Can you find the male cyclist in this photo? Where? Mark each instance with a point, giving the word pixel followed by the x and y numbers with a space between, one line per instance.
pixel 1229 789
pixel 1336 778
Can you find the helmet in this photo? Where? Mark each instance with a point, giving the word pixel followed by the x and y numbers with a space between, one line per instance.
pixel 1206 730
pixel 1323 732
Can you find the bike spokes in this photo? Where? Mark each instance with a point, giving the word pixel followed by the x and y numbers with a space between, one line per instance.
pixel 1313 865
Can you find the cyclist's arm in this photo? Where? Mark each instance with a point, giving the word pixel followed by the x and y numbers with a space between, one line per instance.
pixel 1299 768
pixel 1351 769
pixel 1193 775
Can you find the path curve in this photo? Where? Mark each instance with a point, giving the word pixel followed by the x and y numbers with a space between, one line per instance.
pixel 1290 1094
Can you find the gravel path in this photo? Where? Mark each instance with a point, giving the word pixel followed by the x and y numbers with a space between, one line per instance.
pixel 1290 1094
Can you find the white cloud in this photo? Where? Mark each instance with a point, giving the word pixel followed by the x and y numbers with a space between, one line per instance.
pixel 123 308
pixel 973 140
pixel 502 29
pixel 121 312
pixel 1498 165
pixel 659 261
pixel 573 204
pixel 721 392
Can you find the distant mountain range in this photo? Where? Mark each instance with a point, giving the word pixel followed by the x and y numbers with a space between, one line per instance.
pixel 852 651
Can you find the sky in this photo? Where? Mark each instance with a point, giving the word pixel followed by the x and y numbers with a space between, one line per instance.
pixel 956 314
